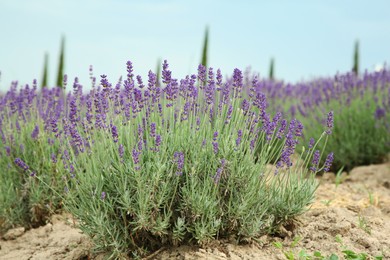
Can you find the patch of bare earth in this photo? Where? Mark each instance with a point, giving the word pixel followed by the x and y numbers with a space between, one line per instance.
pixel 58 239
pixel 355 215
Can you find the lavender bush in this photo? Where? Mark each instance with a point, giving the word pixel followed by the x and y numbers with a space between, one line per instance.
pixel 361 106
pixel 27 148
pixel 185 162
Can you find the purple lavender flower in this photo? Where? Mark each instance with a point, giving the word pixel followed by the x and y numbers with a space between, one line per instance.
pixel 21 164
pixel 315 161
pixel 140 131
pixel 311 143
pixel 219 80
pixel 158 140
pixel 73 111
pixel 135 154
pixel 153 129
pixel 379 113
pixel 201 73
pixel 114 132
pixel 50 141
pixel 298 129
pixel 35 132
pixel 179 158
pixel 53 158
pixel 211 114
pixel 260 101
pixel 215 136
pixel 197 124
pixel 21 146
pixel 8 150
pixel 237 82
pixel 104 82
pixel 140 144
pixel 121 151
pixel 277 117
pixel 252 144
pixel 65 81
pixel 17 125
pixel 229 114
pixel 139 81
pixel 239 135
pixel 66 156
pixel 218 174
pixel 328 162
pixel 130 75
pixel 103 195
pixel 283 125
pixel 329 123
pixel 215 147
pixel 166 74
pixel 245 106
pixel 152 80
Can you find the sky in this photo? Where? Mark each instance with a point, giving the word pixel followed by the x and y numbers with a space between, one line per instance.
pixel 306 38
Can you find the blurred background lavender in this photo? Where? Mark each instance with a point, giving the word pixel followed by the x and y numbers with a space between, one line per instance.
pixel 305 38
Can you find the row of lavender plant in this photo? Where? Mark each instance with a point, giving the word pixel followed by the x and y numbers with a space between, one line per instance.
pixel 361 105
pixel 142 165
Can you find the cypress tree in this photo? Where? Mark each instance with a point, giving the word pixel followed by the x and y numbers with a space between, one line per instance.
pixel 355 67
pixel 60 74
pixel 271 69
pixel 205 47
pixel 45 71
pixel 158 72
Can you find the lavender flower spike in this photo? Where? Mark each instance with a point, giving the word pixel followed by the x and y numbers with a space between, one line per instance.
pixel 21 164
pixel 328 162
pixel 114 132
pixel 315 161
pixel 215 147
pixel 121 150
pixel 329 123
pixel 179 157
pixel 311 143
pixel 135 155
pixel 158 140
pixel 35 132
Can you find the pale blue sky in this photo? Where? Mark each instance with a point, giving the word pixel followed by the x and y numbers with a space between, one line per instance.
pixel 306 38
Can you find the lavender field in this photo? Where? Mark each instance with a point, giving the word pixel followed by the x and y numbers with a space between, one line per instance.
pixel 145 163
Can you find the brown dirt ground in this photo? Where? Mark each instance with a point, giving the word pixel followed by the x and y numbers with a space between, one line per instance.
pixel 357 212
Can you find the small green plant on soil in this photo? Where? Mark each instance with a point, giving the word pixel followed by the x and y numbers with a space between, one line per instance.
pixel 364 225
pixel 292 254
pixel 349 254
pixel 340 178
pixel 326 202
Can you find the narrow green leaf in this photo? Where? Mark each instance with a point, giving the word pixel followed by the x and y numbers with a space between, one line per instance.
pixel 296 241
pixel 278 245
